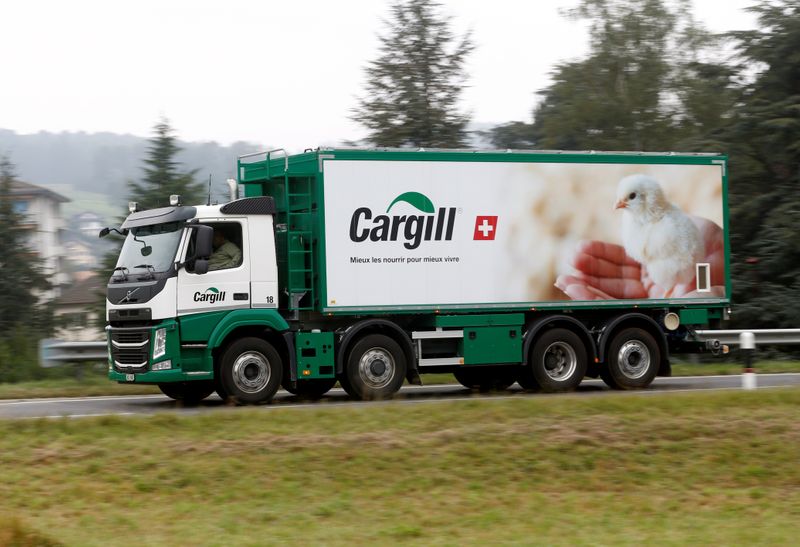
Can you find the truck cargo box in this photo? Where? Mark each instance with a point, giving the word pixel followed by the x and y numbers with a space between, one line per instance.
pixel 427 230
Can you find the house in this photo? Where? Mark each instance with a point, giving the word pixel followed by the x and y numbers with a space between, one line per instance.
pixel 40 209
pixel 77 310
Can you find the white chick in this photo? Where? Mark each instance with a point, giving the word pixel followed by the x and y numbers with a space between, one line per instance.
pixel 657 234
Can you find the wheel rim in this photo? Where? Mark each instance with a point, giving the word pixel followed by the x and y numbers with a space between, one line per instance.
pixel 376 367
pixel 633 359
pixel 251 372
pixel 560 361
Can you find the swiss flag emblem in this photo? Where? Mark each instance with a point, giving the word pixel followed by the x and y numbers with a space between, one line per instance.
pixel 485 228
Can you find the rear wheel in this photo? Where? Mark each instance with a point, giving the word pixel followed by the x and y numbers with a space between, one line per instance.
pixel 491 378
pixel 187 392
pixel 557 362
pixel 251 370
pixel 375 369
pixel 632 361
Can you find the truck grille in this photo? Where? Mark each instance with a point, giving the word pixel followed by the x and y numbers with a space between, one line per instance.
pixel 130 349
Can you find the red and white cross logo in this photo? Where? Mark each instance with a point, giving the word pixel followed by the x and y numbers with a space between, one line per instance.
pixel 485 228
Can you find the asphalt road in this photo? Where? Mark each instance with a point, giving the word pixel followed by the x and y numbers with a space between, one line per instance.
pixel 149 404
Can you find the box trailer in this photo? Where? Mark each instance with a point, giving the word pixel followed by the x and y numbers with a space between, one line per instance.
pixel 371 267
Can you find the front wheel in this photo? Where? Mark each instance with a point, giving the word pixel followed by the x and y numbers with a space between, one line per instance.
pixel 632 361
pixel 251 370
pixel 557 362
pixel 376 368
pixel 187 392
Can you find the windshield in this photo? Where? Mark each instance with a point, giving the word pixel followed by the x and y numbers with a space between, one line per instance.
pixel 150 248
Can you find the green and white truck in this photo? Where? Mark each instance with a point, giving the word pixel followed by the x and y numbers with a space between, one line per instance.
pixel 371 267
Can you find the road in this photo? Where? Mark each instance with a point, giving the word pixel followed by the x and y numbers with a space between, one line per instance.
pixel 127 405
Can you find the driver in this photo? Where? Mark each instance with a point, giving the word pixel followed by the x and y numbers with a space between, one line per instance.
pixel 226 254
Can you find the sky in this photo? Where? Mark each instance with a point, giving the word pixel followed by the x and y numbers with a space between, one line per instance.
pixel 280 74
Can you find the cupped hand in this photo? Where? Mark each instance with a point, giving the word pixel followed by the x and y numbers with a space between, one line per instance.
pixel 603 271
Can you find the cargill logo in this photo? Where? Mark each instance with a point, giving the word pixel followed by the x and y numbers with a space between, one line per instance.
pixel 211 295
pixel 434 225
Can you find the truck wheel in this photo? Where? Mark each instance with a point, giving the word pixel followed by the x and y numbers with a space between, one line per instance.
pixel 557 362
pixel 632 360
pixel 188 392
pixel 251 370
pixel 376 368
pixel 485 379
pixel 310 389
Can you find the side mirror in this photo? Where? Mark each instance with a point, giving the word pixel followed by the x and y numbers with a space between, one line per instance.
pixel 201 266
pixel 203 247
pixel 104 232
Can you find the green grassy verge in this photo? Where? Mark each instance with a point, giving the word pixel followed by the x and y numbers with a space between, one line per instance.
pixel 91 384
pixel 707 369
pixel 708 468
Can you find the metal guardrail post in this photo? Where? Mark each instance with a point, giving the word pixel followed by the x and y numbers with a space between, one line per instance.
pixel 747 344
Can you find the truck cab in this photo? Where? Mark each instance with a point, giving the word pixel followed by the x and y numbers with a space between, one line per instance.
pixel 164 301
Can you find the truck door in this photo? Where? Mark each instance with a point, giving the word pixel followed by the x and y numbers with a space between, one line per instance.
pixel 226 286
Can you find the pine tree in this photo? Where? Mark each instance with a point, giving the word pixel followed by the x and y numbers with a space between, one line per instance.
pixel 21 278
pixel 414 86
pixel 24 318
pixel 765 172
pixel 162 176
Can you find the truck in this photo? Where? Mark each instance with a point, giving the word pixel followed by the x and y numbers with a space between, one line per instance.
pixel 371 267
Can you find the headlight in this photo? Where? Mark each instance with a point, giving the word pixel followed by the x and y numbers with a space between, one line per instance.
pixel 160 343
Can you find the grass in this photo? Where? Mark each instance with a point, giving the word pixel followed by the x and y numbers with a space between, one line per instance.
pixel 90 384
pixel 706 369
pixel 97 384
pixel 710 468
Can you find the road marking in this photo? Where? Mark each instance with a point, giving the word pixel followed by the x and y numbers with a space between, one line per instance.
pixel 10 402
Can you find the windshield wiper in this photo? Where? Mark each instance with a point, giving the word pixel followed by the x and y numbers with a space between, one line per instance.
pixel 124 272
pixel 151 271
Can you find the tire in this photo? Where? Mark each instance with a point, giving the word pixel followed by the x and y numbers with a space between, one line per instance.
pixel 557 362
pixel 632 360
pixel 485 379
pixel 188 392
pixel 375 368
pixel 310 389
pixel 251 370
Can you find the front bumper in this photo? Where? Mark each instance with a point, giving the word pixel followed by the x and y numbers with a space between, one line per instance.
pixel 132 349
pixel 158 376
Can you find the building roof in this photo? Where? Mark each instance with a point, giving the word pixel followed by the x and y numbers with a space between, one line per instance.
pixel 81 292
pixel 24 189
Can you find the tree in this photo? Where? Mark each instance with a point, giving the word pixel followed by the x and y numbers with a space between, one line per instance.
pixel 765 163
pixel 633 91
pixel 22 280
pixel 24 317
pixel 414 86
pixel 162 177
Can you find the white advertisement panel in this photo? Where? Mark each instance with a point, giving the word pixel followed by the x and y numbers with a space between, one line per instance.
pixel 434 233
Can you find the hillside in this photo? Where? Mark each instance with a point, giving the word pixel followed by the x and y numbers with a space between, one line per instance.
pixel 92 169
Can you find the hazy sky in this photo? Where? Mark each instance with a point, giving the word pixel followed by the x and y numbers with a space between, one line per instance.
pixel 277 73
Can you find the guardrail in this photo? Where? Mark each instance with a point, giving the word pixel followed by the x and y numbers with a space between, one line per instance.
pixel 778 337
pixel 54 353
